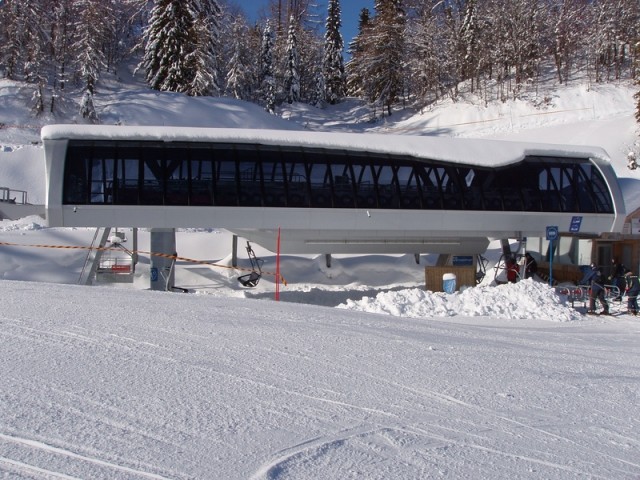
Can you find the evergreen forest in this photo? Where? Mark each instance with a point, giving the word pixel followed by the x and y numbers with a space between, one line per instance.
pixel 406 52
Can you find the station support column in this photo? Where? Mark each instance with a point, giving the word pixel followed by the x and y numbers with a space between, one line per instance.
pixel 162 272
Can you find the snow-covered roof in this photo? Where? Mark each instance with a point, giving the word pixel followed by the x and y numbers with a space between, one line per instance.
pixel 459 150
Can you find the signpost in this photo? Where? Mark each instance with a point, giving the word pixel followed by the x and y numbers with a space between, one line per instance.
pixel 552 234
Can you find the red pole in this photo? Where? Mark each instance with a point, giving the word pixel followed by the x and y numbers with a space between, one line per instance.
pixel 278 267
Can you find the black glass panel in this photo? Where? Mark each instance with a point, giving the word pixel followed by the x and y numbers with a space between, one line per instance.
pixel 201 173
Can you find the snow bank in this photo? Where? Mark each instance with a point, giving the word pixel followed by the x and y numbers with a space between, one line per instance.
pixel 522 300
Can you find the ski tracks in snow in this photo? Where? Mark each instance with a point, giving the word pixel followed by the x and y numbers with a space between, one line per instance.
pixel 28 446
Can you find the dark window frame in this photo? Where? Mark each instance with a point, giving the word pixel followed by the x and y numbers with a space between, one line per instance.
pixel 302 177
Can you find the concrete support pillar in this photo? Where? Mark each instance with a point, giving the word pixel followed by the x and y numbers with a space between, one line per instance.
pixel 506 246
pixel 162 274
pixel 234 251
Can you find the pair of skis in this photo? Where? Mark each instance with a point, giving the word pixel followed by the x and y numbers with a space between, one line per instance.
pixel 610 314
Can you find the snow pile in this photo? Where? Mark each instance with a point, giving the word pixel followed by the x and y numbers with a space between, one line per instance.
pixel 30 223
pixel 523 300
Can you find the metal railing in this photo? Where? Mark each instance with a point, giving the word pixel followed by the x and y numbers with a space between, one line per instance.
pixel 11 195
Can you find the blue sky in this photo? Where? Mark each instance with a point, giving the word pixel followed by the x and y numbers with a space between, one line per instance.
pixel 350 13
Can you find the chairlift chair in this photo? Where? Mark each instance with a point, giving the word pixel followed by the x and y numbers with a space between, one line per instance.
pixel 481 269
pixel 116 263
pixel 251 279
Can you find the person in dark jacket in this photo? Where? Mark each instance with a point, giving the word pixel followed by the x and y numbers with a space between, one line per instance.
pixel 632 290
pixel 531 266
pixel 597 291
pixel 617 277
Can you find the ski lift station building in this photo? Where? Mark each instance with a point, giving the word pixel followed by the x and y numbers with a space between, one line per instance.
pixel 329 192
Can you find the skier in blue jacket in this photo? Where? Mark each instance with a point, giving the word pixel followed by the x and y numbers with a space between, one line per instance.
pixel 597 290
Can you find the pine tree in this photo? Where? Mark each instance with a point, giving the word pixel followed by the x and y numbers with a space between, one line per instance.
pixel 238 80
pixel 425 55
pixel 292 78
pixel 318 98
pixel 255 62
pixel 333 62
pixel 471 59
pixel 385 53
pixel 34 52
pixel 62 33
pixel 92 32
pixel 92 22
pixel 355 68
pixel 203 57
pixel 267 80
pixel 87 108
pixel 168 39
pixel 637 73
pixel 309 47
pixel 201 62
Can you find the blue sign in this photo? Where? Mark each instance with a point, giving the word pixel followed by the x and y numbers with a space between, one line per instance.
pixel 552 233
pixel 462 260
pixel 154 274
pixel 575 224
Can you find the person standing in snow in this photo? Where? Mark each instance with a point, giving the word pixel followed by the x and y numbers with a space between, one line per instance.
pixel 632 290
pixel 530 266
pixel 512 270
pixel 597 291
pixel 617 277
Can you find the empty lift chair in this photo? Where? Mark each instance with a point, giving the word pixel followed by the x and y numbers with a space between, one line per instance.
pixel 116 264
pixel 252 279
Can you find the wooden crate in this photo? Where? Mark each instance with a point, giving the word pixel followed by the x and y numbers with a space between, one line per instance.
pixel 465 276
pixel 561 273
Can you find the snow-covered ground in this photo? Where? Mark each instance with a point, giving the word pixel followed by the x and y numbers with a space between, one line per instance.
pixel 357 372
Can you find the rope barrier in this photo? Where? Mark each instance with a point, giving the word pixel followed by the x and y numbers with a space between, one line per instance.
pixel 139 252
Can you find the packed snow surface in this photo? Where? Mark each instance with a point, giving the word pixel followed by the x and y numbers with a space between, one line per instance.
pixel 118 383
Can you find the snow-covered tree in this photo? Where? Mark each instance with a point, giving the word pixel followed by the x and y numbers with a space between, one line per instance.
pixel 123 33
pixel 267 80
pixel 310 61
pixel 11 20
pixel 22 36
pixel 35 56
pixel 426 55
pixel 613 31
pixel 470 52
pixel 333 61
pixel 203 56
pixel 87 108
pixel 318 97
pixel 385 53
pixel 636 49
pixel 238 79
pixel 281 11
pixel 92 24
pixel 62 37
pixel 168 40
pixel 355 68
pixel 92 32
pixel 565 20
pixel 292 78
